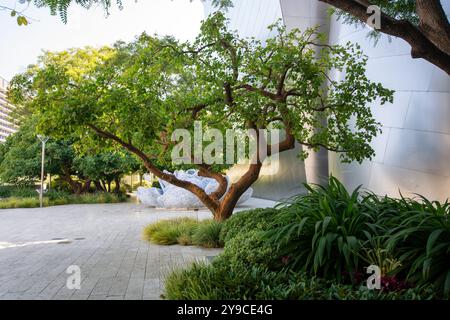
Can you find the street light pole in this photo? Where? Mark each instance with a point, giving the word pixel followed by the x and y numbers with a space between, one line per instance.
pixel 41 194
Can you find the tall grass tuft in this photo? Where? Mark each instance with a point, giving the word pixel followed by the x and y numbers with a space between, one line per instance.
pixel 207 234
pixel 184 231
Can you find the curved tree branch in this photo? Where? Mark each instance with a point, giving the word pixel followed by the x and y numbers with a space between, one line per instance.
pixel 208 201
pixel 422 45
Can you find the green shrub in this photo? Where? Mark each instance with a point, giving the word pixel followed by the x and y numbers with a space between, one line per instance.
pixel 206 234
pixel 5 192
pixel 312 246
pixel 59 201
pixel 18 191
pixel 244 221
pixel 101 197
pixel 53 195
pixel 208 282
pixel 248 248
pixel 13 202
pixel 421 240
pixel 55 198
pixel 184 239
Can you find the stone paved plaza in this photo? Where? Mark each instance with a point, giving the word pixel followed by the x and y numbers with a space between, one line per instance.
pixel 105 241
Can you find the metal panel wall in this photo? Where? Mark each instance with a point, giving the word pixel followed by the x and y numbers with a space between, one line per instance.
pixel 413 152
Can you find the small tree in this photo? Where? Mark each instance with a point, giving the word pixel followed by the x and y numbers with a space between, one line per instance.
pixel 137 94
pixel 105 168
pixel 21 161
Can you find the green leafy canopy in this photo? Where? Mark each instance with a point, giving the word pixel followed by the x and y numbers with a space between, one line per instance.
pixel 143 90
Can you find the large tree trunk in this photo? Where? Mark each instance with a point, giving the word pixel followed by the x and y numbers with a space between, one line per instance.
pixel 227 205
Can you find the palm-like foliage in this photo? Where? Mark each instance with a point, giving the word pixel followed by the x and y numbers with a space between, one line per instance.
pixel 421 240
pixel 323 231
pixel 330 232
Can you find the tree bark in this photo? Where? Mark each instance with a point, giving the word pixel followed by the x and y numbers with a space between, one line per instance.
pixel 86 186
pixel 434 23
pixel 209 202
pixel 228 203
pixel 430 40
pixel 98 186
pixel 117 181
pixel 74 185
pixel 104 186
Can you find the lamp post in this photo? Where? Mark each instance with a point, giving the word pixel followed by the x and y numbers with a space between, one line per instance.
pixel 43 140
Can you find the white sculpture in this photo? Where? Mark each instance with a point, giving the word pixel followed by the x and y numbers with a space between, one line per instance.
pixel 171 196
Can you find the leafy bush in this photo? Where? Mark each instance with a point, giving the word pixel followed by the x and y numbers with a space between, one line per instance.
pixel 248 248
pixel 101 197
pixel 55 198
pixel 250 220
pixel 53 195
pixel 421 240
pixel 317 245
pixel 184 231
pixel 17 192
pixel 205 282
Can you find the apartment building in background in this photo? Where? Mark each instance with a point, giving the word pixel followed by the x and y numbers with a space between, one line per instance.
pixel 7 125
pixel 413 151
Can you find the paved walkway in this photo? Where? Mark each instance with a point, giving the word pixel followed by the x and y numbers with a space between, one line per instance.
pixel 38 245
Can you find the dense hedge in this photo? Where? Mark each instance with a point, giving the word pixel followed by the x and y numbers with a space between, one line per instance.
pixel 56 198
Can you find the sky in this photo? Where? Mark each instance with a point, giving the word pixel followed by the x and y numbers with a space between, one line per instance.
pixel 21 45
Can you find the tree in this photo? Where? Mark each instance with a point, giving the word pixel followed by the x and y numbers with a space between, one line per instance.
pixel 105 168
pixel 21 159
pixel 139 93
pixel 421 23
pixel 20 162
